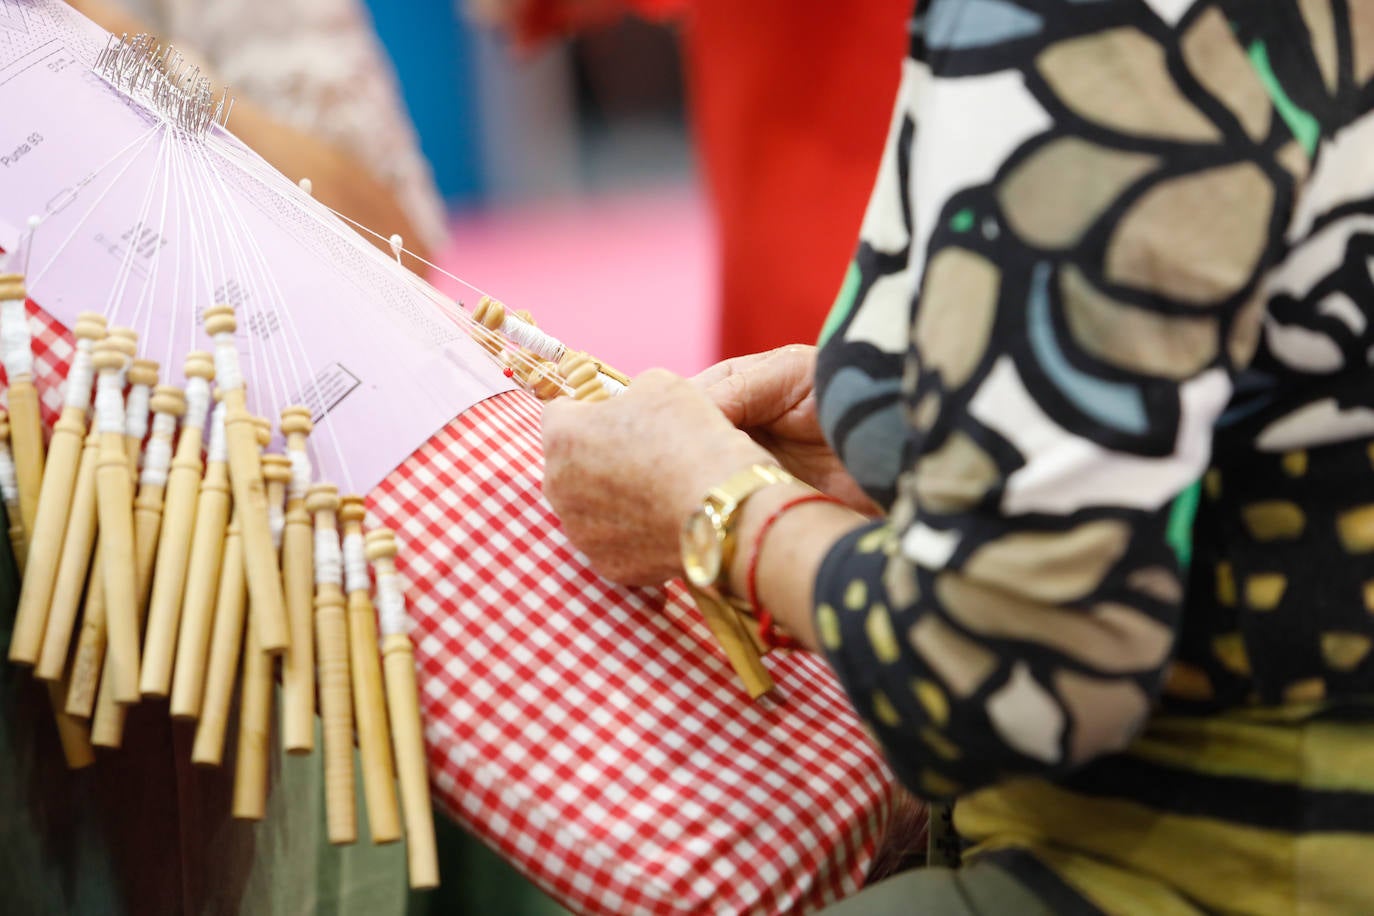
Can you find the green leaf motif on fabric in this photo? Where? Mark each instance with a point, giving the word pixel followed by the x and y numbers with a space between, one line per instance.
pixel 1179 532
pixel 844 303
pixel 1303 125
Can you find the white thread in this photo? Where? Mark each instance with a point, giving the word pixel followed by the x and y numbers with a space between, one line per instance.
pixel 15 341
pixel 197 402
pixel 301 473
pixel 9 480
pixel 276 522
pixel 227 374
pixel 391 604
pixel 219 440
pixel 109 402
pixel 136 412
pixel 328 558
pixel 80 377
pixel 613 386
pixel 355 562
pixel 157 457
pixel 533 339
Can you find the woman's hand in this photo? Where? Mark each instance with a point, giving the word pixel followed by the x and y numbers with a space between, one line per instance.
pixel 624 474
pixel 771 397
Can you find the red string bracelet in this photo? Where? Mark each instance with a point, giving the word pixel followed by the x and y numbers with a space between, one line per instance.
pixel 769 633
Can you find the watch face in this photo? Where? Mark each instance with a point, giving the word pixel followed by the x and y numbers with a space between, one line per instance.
pixel 700 545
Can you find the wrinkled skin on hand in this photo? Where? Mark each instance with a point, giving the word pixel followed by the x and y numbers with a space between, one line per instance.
pixel 624 474
pixel 771 397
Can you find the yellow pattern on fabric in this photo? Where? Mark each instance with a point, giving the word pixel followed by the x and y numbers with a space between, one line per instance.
pixel 1223 865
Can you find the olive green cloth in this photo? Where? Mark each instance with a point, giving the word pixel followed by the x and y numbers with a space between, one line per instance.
pixel 982 889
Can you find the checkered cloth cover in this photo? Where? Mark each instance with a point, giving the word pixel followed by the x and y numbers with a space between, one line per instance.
pixel 594 735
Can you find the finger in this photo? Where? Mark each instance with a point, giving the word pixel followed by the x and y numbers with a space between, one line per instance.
pixel 727 367
pixel 767 389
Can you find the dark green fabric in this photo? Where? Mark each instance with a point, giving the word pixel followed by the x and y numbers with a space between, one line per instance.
pixel 144 833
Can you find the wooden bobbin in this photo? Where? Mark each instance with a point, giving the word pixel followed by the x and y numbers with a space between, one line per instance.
pixel 11 495
pixel 298 581
pixel 72 734
pixel 250 495
pixel 735 639
pixel 202 576
pixel 168 402
pixel 276 470
pixel 178 527
pixel 579 373
pixel 225 648
pixel 545 381
pixel 331 645
pixel 613 374
pixel 89 657
pixel 78 547
pixel 407 732
pixel 369 696
pixel 523 364
pixel 115 508
pixel 489 315
pixel 143 374
pixel 26 425
pixel 55 500
pixel 251 762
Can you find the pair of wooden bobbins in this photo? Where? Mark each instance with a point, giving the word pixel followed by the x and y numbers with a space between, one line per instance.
pixel 107 723
pixel 267 604
pixel 369 694
pixel 55 499
pixel 227 646
pixel 331 647
pixel 581 373
pixel 232 643
pixel 252 765
pixel 230 648
pixel 213 579
pixel 109 644
pixel 403 705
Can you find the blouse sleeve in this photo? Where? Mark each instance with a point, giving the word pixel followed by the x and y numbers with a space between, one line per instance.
pixel 1058 280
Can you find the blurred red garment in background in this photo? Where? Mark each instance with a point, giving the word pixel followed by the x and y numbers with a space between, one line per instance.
pixel 790 103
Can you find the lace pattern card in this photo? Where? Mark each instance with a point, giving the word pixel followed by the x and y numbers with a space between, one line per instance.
pixel 152 225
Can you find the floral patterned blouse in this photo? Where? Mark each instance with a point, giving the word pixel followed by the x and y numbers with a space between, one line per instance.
pixel 1105 354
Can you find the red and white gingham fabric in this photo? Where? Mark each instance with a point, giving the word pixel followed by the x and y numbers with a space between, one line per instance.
pixel 594 735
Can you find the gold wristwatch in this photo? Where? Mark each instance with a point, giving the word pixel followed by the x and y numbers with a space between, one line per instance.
pixel 707 541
